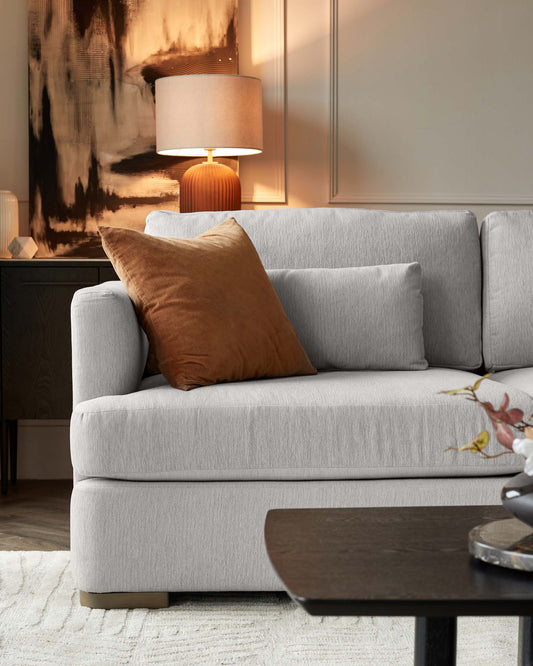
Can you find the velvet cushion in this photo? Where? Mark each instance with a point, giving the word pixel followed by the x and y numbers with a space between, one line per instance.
pixel 207 306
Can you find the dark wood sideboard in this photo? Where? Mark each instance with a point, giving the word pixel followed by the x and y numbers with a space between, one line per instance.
pixel 35 377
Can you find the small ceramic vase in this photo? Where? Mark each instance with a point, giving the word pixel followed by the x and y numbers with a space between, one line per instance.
pixel 9 220
pixel 517 497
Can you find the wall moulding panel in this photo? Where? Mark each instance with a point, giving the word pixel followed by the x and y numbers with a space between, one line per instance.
pixel 431 102
pixel 262 54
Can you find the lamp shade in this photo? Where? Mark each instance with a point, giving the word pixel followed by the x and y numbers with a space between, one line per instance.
pixel 222 112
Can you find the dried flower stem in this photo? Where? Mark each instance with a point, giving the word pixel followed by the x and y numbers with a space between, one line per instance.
pixel 478 450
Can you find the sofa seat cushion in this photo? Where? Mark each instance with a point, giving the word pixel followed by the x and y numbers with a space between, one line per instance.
pixel 520 378
pixel 335 425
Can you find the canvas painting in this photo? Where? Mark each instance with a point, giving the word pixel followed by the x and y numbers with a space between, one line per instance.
pixel 92 68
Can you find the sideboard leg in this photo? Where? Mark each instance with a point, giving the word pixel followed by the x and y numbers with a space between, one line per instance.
pixel 435 641
pixel 3 456
pixel 525 642
pixel 12 427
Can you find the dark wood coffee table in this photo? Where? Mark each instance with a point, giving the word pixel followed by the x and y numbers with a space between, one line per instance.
pixel 398 561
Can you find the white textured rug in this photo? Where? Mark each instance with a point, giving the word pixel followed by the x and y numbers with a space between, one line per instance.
pixel 41 622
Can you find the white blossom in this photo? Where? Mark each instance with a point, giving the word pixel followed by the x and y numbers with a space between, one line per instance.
pixel 524 447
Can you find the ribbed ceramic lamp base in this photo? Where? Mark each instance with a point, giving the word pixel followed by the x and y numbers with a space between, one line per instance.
pixel 210 186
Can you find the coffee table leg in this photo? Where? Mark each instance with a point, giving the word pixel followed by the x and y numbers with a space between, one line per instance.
pixel 435 641
pixel 525 642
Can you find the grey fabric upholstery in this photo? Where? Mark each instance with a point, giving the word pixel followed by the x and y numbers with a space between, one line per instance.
pixel 183 537
pixel 109 348
pixel 507 242
pixel 520 378
pixel 337 425
pixel 445 243
pixel 188 477
pixel 356 318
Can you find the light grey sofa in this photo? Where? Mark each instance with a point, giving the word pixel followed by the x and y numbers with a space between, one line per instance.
pixel 172 487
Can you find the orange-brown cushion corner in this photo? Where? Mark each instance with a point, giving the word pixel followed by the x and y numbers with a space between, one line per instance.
pixel 207 306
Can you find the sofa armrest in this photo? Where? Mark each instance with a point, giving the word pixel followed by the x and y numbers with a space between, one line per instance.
pixel 109 347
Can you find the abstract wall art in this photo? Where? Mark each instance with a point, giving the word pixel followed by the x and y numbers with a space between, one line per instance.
pixel 92 67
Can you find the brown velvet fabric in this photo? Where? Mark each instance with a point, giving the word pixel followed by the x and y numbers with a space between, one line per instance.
pixel 207 306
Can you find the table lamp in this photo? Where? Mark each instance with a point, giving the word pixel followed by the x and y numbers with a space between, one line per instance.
pixel 217 115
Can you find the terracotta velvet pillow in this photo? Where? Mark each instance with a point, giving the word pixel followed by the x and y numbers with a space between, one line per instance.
pixel 207 306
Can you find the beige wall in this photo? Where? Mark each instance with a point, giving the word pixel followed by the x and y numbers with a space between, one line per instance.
pixel 432 102
pixel 473 56
pixel 14 103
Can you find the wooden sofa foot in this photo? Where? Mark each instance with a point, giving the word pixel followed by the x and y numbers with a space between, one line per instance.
pixel 108 600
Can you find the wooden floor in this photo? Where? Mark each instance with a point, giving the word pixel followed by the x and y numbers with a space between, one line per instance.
pixel 34 515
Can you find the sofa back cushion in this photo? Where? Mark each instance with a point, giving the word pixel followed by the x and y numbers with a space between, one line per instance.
pixel 507 243
pixel 444 243
pixel 365 318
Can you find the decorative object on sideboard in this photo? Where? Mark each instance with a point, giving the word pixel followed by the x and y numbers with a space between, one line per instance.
pixel 23 247
pixel 213 115
pixel 9 220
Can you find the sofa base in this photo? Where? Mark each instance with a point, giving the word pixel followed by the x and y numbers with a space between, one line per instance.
pixel 184 537
pixel 108 600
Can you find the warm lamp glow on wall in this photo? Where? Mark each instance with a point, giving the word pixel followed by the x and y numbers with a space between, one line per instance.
pixel 217 115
